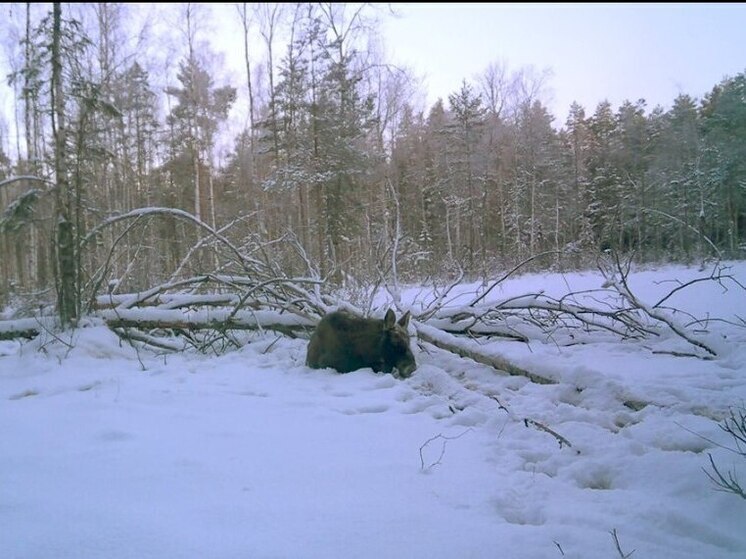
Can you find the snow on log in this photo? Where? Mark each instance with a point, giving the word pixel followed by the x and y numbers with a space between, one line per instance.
pixel 27 328
pixel 469 349
pixel 206 319
pixel 169 301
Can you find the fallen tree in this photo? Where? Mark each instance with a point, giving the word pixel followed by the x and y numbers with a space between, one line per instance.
pixel 220 304
pixel 204 311
pixel 466 348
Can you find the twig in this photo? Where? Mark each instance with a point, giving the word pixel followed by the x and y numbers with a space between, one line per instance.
pixel 69 344
pixel 445 440
pixel 270 346
pixel 99 275
pixel 682 354
pixel 200 243
pixel 508 274
pixel 130 340
pixel 676 219
pixel 130 334
pixel 729 484
pixel 499 403
pixel 618 280
pixel 437 304
pixel 560 439
pixel 618 546
pixel 248 264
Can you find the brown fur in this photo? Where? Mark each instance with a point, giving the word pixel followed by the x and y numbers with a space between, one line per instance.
pixel 347 343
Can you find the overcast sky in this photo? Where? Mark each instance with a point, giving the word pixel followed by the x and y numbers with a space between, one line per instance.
pixel 595 51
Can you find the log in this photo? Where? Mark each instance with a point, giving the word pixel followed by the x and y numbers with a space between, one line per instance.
pixel 152 319
pixel 463 348
pixel 27 328
pixel 207 319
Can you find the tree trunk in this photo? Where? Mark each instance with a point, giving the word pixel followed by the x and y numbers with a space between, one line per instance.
pixel 67 303
pixel 31 162
pixel 245 21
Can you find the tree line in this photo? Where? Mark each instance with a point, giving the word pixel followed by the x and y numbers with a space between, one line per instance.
pixel 337 172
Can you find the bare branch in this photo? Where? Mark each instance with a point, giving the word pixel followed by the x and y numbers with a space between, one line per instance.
pixel 617 278
pixel 508 274
pixel 716 275
pixel 618 546
pixel 444 440
pixel 541 427
pixel 689 226
pixel 33 178
pixel 245 262
pixel 729 483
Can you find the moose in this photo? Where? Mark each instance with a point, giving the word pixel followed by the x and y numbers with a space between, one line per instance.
pixel 346 343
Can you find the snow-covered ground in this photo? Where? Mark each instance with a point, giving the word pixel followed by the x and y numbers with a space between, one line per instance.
pixel 107 453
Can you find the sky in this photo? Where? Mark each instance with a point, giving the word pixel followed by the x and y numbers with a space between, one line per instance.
pixel 590 52
pixel 594 51
pixel 109 450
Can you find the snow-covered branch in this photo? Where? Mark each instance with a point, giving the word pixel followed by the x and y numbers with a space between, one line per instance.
pixel 616 274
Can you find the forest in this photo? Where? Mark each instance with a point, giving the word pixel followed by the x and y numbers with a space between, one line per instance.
pixel 129 170
pixel 560 302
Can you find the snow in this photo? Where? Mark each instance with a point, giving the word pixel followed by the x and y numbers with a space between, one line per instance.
pixel 106 451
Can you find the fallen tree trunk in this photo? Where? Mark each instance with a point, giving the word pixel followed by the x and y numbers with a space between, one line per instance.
pixel 156 319
pixel 217 319
pixel 13 333
pixel 27 328
pixel 223 320
pixel 465 348
pixel 219 304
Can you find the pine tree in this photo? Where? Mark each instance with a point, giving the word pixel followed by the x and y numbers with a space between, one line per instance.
pixel 634 143
pixel 724 123
pixel 467 173
pixel 199 111
pixel 604 208
pixel 577 139
pixel 536 198
pixel 675 166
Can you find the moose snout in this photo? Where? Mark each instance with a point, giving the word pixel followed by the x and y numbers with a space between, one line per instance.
pixel 406 366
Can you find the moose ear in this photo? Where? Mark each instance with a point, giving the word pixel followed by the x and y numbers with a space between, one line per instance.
pixel 389 319
pixel 404 320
